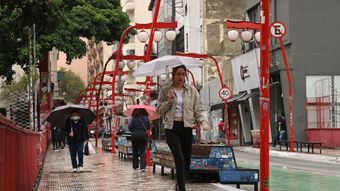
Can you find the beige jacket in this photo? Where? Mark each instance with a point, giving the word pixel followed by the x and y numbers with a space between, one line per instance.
pixel 193 108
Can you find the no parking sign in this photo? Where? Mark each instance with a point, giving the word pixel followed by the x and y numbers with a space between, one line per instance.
pixel 277 29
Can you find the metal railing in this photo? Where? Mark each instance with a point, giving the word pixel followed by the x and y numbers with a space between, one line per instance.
pixel 22 152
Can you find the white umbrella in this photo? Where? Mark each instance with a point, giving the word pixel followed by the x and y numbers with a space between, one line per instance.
pixel 161 65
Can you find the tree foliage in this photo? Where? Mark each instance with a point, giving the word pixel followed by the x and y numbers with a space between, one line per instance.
pixel 59 24
pixel 70 85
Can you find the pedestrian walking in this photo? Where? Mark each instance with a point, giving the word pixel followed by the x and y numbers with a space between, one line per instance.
pixel 61 138
pixel 77 134
pixel 180 106
pixel 138 127
pixel 282 128
pixel 221 131
pixel 55 136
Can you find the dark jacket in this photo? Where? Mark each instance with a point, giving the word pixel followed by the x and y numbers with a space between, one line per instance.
pixel 80 133
pixel 137 128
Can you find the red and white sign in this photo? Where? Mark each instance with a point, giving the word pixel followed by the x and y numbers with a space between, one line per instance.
pixel 277 29
pixel 225 93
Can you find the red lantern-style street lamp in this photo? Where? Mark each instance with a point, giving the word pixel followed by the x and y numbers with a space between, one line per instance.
pixel 264 86
pixel 143 36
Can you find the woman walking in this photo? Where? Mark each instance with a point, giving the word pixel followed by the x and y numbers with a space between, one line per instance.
pixel 138 126
pixel 180 106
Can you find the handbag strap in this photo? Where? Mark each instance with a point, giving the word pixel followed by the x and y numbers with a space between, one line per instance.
pixel 143 125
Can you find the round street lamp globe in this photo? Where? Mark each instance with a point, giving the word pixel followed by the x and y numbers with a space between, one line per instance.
pixel 139 63
pixel 131 64
pixel 232 35
pixel 170 35
pixel 121 65
pixel 123 78
pixel 163 77
pixel 246 36
pixel 143 36
pixel 107 78
pixel 258 36
pixel 157 36
pixel 153 88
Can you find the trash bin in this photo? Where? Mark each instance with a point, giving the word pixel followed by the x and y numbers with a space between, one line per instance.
pixel 255 135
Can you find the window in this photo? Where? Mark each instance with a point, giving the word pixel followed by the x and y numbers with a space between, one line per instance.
pixel 253 15
pixel 130 52
pixel 323 101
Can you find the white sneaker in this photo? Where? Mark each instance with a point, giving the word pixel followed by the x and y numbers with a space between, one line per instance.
pixel 80 169
pixel 142 170
pixel 74 170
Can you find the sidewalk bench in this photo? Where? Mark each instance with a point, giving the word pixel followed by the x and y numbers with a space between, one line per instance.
pixel 300 144
pixel 164 159
pixel 286 144
pixel 106 145
pixel 125 151
pixel 310 144
pixel 213 161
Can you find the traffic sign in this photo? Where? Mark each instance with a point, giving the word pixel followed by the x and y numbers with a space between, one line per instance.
pixel 224 93
pixel 277 29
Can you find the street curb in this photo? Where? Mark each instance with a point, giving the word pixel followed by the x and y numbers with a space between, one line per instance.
pixel 294 155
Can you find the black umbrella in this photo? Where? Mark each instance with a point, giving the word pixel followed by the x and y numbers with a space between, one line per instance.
pixel 60 114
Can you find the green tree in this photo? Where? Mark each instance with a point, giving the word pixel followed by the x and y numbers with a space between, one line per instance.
pixel 59 24
pixel 70 85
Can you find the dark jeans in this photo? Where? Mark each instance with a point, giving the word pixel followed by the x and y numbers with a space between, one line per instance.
pixel 139 142
pixel 179 140
pixel 77 149
pixel 55 142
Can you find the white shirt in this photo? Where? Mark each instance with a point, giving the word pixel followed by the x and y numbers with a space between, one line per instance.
pixel 179 103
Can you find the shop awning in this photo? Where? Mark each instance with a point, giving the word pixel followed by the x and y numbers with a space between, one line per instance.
pixel 232 99
pixel 236 97
pixel 246 97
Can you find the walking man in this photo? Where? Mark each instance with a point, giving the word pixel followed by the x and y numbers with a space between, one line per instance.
pixel 77 134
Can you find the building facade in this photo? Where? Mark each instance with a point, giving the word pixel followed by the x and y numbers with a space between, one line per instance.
pixel 214 14
pixel 313 61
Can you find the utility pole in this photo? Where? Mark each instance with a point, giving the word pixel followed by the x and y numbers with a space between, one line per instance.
pixel 30 84
pixel 173 19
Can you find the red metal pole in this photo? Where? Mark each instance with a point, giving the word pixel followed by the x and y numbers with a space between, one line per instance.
pixel 226 123
pixel 119 54
pixel 147 59
pixel 264 97
pixel 290 97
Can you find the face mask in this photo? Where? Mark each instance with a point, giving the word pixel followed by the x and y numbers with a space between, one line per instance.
pixel 75 118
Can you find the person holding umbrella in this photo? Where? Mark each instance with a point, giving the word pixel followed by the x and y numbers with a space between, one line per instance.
pixel 180 106
pixel 77 134
pixel 138 126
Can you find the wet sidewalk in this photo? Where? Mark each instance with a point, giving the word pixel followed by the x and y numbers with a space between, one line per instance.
pixel 105 171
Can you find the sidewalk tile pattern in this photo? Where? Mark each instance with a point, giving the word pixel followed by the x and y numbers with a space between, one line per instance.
pixel 104 171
